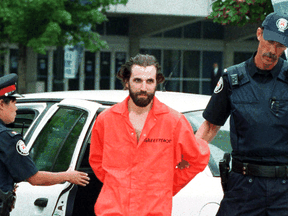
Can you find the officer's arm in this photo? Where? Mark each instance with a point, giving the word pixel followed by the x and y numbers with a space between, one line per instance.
pixel 51 178
pixel 207 131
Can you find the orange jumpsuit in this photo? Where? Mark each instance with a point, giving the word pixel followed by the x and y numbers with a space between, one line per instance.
pixel 140 178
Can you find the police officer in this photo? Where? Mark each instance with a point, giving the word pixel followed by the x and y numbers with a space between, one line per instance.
pixel 15 162
pixel 255 94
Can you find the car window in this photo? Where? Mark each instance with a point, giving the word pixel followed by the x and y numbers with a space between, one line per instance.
pixel 23 120
pixel 54 146
pixel 27 117
pixel 219 145
pixel 84 165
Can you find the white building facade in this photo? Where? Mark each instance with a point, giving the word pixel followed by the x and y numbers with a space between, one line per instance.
pixel 177 33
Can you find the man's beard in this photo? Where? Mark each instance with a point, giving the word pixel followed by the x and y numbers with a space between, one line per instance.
pixel 141 102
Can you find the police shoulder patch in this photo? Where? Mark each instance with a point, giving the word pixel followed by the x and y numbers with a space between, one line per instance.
pixel 219 86
pixel 21 148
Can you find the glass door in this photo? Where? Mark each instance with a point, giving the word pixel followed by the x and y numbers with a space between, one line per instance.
pixel 105 67
pixel 89 71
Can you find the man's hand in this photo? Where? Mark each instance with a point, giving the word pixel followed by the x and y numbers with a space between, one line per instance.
pixel 183 164
pixel 14 197
pixel 76 177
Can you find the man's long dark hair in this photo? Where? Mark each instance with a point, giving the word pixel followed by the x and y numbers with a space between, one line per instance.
pixel 124 73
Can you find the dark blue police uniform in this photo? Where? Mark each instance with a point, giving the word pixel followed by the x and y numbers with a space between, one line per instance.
pixel 258 104
pixel 15 162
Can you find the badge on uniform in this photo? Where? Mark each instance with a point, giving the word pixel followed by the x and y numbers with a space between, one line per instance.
pixel 21 148
pixel 219 86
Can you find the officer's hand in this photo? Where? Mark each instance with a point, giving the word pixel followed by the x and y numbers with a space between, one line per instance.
pixel 15 188
pixel 14 197
pixel 76 177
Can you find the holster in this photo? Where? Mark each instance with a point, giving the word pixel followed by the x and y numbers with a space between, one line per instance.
pixel 7 200
pixel 224 168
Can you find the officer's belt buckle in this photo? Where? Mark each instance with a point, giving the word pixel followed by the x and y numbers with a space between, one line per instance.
pixel 245 169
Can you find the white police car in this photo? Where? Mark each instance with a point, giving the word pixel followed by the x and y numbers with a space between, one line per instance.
pixel 57 129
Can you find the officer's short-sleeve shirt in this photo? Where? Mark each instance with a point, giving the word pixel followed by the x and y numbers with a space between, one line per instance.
pixel 218 108
pixel 15 163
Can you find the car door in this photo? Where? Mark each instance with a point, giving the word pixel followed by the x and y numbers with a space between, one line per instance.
pixel 54 146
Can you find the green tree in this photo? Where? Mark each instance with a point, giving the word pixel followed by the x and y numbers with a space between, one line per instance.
pixel 240 12
pixel 41 23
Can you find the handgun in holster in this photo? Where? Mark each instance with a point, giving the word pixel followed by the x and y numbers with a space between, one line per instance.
pixel 7 200
pixel 224 168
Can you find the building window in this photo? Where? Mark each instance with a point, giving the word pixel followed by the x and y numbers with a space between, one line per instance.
pixel 192 30
pixel 212 69
pixel 191 71
pixel 174 33
pixel 58 69
pixel 241 56
pixel 99 28
pixel 105 59
pixel 42 69
pixel 212 30
pixel 191 86
pixel 172 70
pixel 201 29
pixel 119 61
pixel 74 83
pixel 89 71
pixel 191 64
pixel 14 61
pixel 115 26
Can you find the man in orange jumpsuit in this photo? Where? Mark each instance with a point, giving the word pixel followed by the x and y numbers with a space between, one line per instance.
pixel 137 144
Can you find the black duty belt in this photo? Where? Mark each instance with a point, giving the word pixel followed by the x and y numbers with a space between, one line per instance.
pixel 260 170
